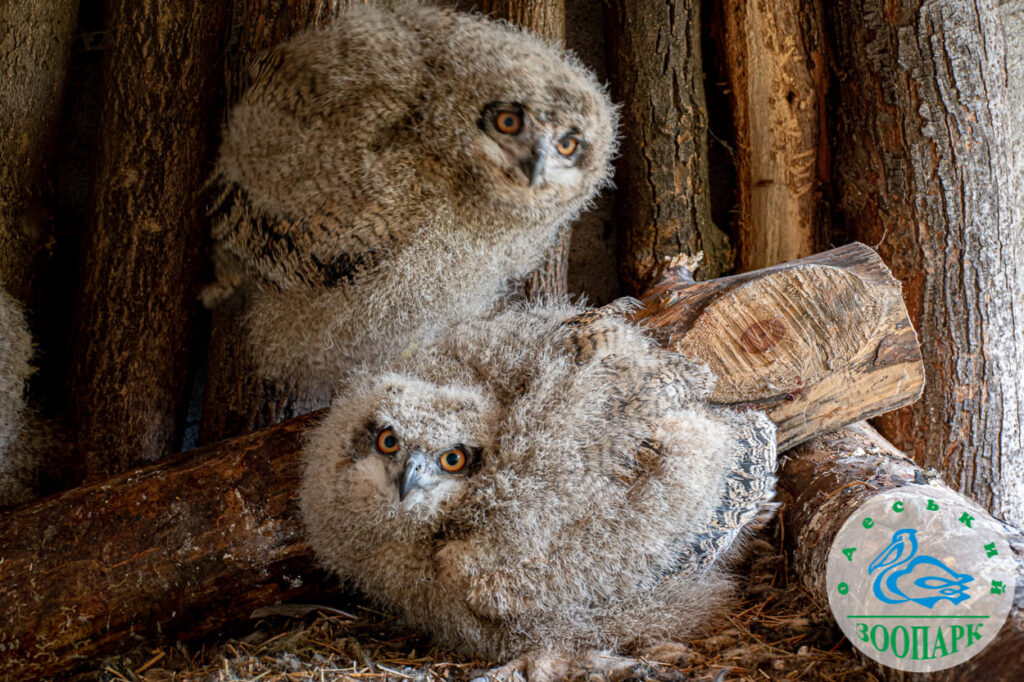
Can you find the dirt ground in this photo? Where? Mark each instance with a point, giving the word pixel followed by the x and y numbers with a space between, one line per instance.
pixel 776 632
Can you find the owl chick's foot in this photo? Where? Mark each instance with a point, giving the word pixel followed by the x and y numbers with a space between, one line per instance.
pixel 549 666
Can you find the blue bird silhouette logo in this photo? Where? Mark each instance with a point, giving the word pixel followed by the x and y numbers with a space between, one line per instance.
pixel 898 563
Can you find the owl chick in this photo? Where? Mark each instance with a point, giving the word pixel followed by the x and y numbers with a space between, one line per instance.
pixel 516 500
pixel 391 174
pixel 22 438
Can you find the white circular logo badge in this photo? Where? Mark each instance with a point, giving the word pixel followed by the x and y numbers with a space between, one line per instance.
pixel 918 581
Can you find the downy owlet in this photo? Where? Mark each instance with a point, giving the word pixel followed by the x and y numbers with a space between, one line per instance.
pixel 389 175
pixel 537 485
pixel 24 441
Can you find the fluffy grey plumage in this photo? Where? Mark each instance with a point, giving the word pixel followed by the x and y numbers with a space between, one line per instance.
pixel 599 495
pixel 19 431
pixel 389 175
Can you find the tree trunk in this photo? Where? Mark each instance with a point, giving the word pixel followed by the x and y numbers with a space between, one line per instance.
pixel 922 170
pixel 35 43
pixel 774 57
pixel 186 545
pixel 826 479
pixel 143 251
pixel 663 205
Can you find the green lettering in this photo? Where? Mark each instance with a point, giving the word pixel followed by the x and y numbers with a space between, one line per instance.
pixel 843 588
pixel 973 634
pixel 862 631
pixel 966 519
pixel 868 522
pixel 990 549
pixel 849 553
pixel 940 643
pixel 932 506
pixel 914 631
pixel 997 587
pixel 958 634
pixel 906 642
pixel 897 506
pixel 885 638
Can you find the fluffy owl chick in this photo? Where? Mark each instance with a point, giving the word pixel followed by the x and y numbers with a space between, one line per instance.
pixel 513 500
pixel 20 434
pixel 392 173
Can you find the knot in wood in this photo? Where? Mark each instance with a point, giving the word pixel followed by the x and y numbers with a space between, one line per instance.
pixel 763 335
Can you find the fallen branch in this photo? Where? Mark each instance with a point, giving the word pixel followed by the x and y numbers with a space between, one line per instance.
pixel 199 540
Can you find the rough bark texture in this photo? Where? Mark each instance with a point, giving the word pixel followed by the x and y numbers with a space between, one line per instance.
pixel 187 545
pixel 663 206
pixel 35 42
pixel 817 341
pixel 827 478
pixel 236 400
pixel 143 252
pixel 922 169
pixel 774 57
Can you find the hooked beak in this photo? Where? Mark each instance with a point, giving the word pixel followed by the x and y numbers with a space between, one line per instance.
pixel 412 476
pixel 533 165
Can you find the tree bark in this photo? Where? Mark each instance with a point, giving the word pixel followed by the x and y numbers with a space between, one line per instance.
pixel 35 43
pixel 922 170
pixel 143 252
pixel 826 479
pixel 663 204
pixel 774 56
pixel 189 544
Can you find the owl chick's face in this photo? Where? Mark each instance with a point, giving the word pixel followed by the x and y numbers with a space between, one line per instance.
pixel 414 450
pixel 531 148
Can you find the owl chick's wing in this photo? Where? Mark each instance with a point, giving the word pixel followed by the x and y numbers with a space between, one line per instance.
pixel 748 489
pixel 321 111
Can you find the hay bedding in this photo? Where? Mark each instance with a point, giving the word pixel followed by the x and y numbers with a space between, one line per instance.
pixel 776 632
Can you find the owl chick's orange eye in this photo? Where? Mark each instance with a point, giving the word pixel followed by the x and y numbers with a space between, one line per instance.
pixel 387 442
pixel 568 145
pixel 508 122
pixel 453 460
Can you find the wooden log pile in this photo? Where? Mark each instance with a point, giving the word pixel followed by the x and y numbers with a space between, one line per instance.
pixel 188 544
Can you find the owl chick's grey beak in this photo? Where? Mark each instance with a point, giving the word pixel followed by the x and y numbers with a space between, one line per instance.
pixel 533 165
pixel 414 475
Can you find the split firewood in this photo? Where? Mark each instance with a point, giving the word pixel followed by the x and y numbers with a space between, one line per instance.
pixel 186 545
pixel 824 480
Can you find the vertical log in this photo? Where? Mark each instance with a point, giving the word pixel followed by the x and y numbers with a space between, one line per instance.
pixel 774 57
pixel 35 42
pixel 922 170
pixel 143 251
pixel 236 400
pixel 664 205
